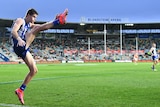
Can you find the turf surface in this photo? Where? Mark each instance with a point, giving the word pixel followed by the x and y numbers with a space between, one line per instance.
pixel 83 85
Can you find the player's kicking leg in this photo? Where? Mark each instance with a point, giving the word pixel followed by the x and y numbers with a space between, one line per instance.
pixel 60 20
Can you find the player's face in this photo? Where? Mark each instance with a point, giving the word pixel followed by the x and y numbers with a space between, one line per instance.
pixel 32 18
pixel 154 45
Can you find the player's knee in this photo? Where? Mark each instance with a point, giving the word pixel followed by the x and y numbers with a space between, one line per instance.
pixel 35 30
pixel 33 71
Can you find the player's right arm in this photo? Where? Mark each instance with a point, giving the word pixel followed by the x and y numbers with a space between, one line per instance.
pixel 150 51
pixel 15 29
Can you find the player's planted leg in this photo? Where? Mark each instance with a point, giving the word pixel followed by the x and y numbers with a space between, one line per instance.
pixel 20 95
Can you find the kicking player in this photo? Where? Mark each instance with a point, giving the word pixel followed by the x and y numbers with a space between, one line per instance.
pixel 23 33
pixel 154 56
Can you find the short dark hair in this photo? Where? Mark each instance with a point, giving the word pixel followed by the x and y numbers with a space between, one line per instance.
pixel 31 12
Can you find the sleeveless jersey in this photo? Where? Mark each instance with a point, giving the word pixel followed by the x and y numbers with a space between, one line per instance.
pixel 154 53
pixel 25 27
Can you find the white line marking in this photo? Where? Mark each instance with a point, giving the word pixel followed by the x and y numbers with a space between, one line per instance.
pixel 37 79
pixel 12 105
pixel 85 64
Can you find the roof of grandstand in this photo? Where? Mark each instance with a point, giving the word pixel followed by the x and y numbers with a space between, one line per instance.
pixel 95 26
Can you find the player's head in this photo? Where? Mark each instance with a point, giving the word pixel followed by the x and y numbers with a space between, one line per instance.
pixel 153 45
pixel 31 15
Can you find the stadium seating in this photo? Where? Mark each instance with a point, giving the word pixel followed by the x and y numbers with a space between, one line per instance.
pixel 67 49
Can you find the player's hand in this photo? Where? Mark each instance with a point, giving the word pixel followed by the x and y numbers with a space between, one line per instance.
pixel 148 53
pixel 20 42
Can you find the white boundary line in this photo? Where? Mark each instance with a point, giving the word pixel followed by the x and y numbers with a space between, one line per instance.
pixel 85 64
pixel 37 79
pixel 12 105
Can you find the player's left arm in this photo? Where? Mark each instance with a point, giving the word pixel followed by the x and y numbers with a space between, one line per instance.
pixel 151 50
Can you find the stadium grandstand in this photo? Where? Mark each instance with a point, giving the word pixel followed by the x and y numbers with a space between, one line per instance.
pixel 74 42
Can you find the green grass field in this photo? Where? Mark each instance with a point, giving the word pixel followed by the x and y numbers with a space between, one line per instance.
pixel 83 85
